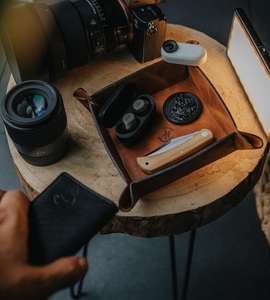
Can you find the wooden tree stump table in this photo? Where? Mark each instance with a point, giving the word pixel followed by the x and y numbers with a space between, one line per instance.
pixel 186 204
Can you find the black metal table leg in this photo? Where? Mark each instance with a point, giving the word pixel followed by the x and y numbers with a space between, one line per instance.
pixel 173 267
pixel 188 265
pixel 189 261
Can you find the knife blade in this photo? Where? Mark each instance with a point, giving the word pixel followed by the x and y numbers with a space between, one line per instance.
pixel 175 151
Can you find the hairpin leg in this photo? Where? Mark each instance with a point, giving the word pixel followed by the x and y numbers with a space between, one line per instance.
pixel 173 267
pixel 188 264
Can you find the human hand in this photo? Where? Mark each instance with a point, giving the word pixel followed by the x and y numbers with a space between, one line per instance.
pixel 20 280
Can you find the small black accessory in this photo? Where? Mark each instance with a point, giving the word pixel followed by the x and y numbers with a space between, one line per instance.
pixel 182 108
pixel 141 106
pixel 129 112
pixel 64 217
pixel 129 121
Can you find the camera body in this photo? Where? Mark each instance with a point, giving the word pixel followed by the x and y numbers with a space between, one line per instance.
pixel 149 30
pixel 44 39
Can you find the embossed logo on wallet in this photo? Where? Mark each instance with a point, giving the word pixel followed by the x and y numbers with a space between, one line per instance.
pixel 64 199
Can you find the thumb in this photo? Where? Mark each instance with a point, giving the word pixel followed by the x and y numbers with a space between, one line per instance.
pixel 66 271
pixel 62 273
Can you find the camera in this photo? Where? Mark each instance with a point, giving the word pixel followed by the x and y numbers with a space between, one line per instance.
pixel 35 119
pixel 189 53
pixel 44 40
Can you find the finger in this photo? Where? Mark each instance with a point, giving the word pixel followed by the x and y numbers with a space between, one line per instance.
pixel 14 225
pixel 15 200
pixel 2 192
pixel 14 208
pixel 66 271
pixel 40 282
pixel 60 274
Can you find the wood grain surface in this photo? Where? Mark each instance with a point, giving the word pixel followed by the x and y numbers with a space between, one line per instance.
pixel 188 203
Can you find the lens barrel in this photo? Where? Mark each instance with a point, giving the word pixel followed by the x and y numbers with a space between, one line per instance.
pixel 35 119
pixel 44 41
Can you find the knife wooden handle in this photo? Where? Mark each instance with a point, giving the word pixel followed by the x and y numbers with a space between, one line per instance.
pixel 156 162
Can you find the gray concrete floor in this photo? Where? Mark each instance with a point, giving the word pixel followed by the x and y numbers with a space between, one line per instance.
pixel 231 258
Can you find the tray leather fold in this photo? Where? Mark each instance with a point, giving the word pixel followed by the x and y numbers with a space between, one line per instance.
pixel 162 80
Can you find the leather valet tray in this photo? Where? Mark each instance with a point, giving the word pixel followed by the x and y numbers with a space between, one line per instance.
pixel 161 80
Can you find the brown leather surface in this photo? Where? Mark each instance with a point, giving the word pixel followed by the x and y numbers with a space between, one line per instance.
pixel 161 80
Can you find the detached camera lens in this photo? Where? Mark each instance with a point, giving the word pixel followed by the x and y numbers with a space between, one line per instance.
pixel 170 46
pixel 35 119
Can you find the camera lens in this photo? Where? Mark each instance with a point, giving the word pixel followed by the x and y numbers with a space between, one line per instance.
pixel 35 119
pixel 43 41
pixel 170 46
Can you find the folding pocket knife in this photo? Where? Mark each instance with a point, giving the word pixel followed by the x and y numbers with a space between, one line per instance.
pixel 175 150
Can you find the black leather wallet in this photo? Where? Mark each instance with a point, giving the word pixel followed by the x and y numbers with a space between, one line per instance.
pixel 64 217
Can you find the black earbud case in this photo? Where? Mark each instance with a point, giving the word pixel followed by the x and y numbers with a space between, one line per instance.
pixel 129 112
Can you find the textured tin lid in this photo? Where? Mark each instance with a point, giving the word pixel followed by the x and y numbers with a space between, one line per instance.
pixel 251 63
